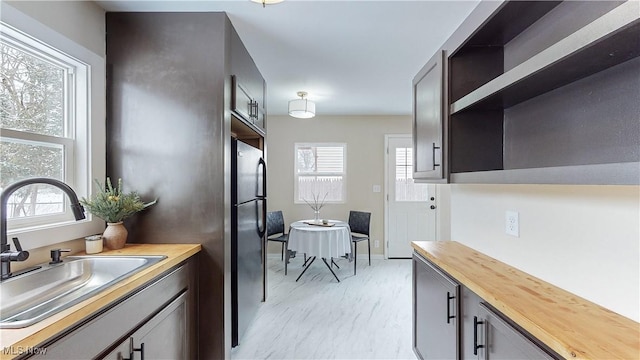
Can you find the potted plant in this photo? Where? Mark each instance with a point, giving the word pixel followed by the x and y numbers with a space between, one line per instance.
pixel 113 206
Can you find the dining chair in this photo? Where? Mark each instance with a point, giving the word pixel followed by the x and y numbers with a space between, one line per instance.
pixel 360 223
pixel 275 232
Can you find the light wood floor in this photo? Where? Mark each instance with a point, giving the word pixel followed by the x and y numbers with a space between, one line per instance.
pixel 367 316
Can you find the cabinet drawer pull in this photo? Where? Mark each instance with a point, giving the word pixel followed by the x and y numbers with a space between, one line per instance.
pixel 254 110
pixel 449 316
pixel 133 349
pixel 250 110
pixel 475 335
pixel 434 155
pixel 141 349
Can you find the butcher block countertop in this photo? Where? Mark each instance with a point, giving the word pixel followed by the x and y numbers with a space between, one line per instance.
pixel 25 339
pixel 568 324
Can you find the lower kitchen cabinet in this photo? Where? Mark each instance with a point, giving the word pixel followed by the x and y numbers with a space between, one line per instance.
pixel 497 339
pixel 506 313
pixel 156 321
pixel 435 312
pixel 452 322
pixel 469 305
pixel 164 336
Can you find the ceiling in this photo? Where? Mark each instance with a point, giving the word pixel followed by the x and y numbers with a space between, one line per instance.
pixel 353 57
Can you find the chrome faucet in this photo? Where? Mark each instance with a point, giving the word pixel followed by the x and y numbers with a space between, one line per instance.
pixel 6 255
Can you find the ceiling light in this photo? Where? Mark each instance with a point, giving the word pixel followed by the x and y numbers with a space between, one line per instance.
pixel 302 108
pixel 267 2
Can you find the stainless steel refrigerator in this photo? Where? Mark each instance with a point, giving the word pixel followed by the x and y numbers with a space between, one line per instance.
pixel 248 227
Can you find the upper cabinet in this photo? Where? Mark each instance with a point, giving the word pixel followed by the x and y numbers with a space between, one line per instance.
pixel 428 119
pixel 248 93
pixel 543 92
pixel 247 107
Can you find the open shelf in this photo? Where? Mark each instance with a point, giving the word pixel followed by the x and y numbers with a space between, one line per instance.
pixel 246 132
pixel 541 92
pixel 607 41
pixel 547 93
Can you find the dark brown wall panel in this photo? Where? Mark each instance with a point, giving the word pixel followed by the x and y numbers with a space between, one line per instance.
pixel 166 97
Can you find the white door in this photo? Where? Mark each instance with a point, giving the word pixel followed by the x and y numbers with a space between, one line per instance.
pixel 411 207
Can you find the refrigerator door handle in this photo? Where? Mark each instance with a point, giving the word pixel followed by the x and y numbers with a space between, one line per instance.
pixel 262 228
pixel 263 164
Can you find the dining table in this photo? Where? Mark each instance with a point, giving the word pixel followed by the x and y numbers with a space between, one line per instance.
pixel 317 239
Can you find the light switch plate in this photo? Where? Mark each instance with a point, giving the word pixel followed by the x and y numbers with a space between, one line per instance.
pixel 512 223
pixel 376 188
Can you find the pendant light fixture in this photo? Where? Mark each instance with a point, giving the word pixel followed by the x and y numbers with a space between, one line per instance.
pixel 267 2
pixel 302 108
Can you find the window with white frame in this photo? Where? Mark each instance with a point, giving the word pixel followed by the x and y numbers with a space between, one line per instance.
pixel 37 97
pixel 47 128
pixel 320 172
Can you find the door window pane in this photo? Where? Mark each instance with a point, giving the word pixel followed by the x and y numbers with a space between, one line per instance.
pixel 406 188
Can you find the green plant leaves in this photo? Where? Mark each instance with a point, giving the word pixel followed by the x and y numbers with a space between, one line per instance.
pixel 112 205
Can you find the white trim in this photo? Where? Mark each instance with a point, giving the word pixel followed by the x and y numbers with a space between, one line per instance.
pixel 387 186
pixel 385 242
pixel 93 162
pixel 30 138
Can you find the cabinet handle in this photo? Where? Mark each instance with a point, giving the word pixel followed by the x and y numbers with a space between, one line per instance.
pixel 249 109
pixel 133 349
pixel 434 155
pixel 141 349
pixel 253 110
pixel 449 316
pixel 475 335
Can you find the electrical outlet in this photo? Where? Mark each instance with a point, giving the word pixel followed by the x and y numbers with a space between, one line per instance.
pixel 512 223
pixel 376 244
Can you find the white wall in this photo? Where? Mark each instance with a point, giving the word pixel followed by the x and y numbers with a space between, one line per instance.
pixel 80 21
pixel 584 239
pixel 364 136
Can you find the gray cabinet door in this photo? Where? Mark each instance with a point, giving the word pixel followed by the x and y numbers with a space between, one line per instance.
pixel 248 107
pixel 428 120
pixel 164 336
pixel 249 88
pixel 469 303
pixel 497 339
pixel 435 312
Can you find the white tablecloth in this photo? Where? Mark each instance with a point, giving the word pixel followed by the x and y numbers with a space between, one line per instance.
pixel 321 241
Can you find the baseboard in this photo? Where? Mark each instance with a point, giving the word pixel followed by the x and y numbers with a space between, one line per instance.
pixel 360 256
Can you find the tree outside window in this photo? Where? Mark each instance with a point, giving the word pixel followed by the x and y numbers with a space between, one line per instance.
pixel 35 123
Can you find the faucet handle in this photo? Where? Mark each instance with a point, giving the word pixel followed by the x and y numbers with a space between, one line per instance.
pixel 55 255
pixel 16 243
pixel 18 255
